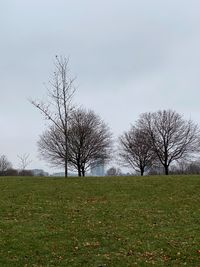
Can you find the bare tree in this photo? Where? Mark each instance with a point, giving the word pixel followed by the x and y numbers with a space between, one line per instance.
pixel 135 150
pixel 172 137
pixel 52 146
pixel 193 168
pixel 89 140
pixel 186 167
pixel 5 164
pixel 59 105
pixel 24 161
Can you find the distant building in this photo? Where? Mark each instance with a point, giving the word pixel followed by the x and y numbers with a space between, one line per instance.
pixel 98 168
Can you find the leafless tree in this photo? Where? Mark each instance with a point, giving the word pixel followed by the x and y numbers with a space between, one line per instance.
pixel 52 146
pixel 193 168
pixel 186 167
pixel 135 150
pixel 172 137
pixel 59 105
pixel 89 140
pixel 24 161
pixel 5 164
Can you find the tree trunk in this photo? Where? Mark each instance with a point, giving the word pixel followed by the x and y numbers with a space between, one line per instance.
pixel 166 170
pixel 79 171
pixel 66 155
pixel 141 172
pixel 83 171
pixel 66 168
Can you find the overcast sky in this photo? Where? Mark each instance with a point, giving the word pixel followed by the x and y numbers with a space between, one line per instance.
pixel 129 56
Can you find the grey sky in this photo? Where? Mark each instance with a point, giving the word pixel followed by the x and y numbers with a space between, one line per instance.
pixel 129 57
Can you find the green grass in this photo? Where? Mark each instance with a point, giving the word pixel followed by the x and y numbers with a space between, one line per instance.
pixel 127 221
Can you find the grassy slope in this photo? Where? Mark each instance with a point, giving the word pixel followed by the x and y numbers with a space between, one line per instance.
pixel 100 221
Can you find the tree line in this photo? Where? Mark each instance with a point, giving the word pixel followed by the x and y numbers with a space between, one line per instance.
pixel 6 168
pixel 76 138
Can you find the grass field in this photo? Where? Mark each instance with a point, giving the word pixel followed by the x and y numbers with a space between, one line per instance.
pixel 127 221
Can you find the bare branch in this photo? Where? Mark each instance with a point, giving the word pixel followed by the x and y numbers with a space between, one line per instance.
pixel 172 137
pixel 24 161
pixel 58 106
pixel 88 138
pixel 135 150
